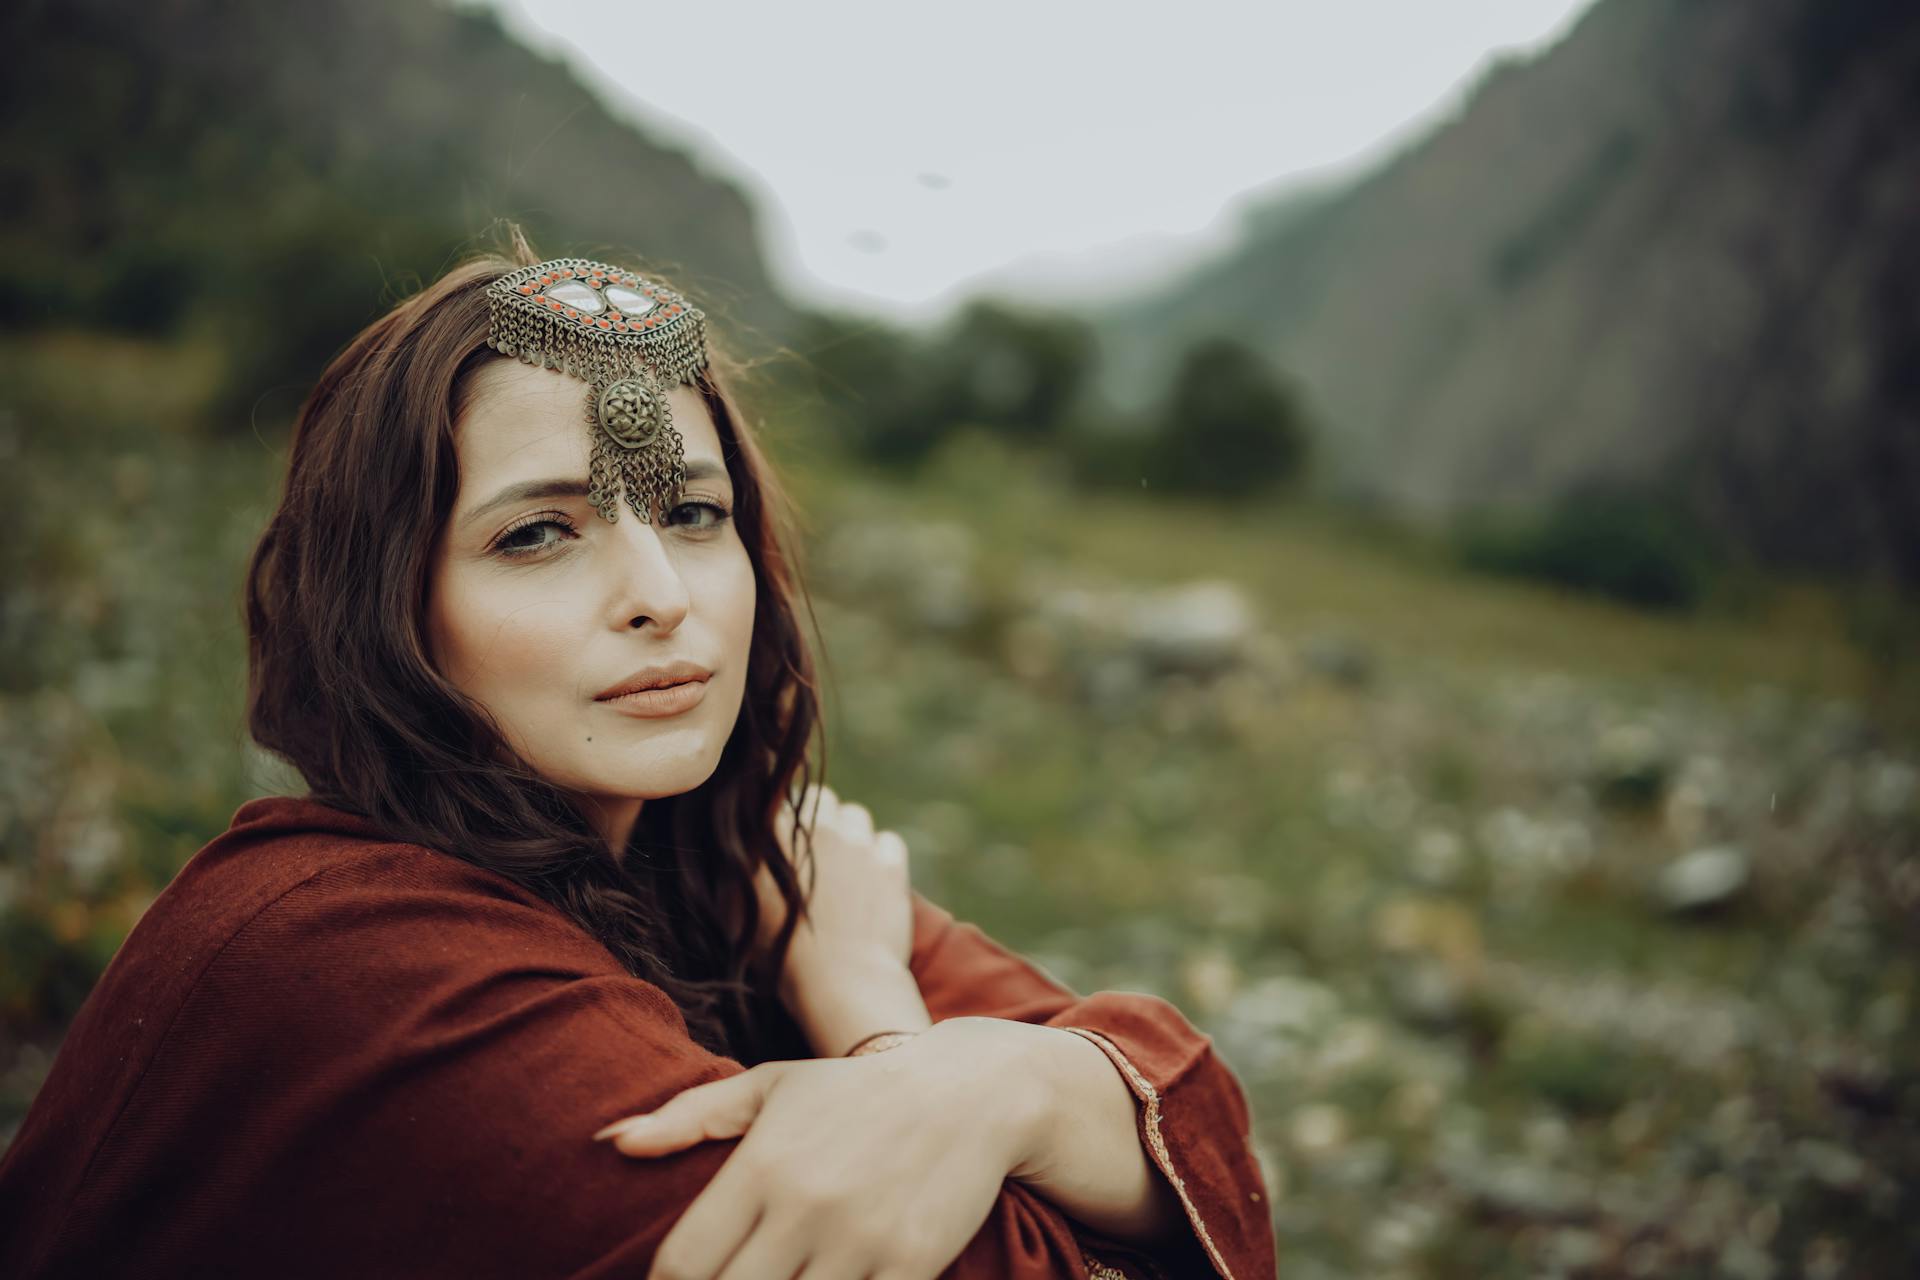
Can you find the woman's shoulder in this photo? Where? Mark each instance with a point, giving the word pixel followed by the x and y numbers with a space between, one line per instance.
pixel 296 847
pixel 293 880
pixel 303 934
pixel 354 1006
pixel 297 896
pixel 275 844
pixel 310 905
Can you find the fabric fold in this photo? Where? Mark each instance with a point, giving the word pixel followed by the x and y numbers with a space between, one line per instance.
pixel 321 1053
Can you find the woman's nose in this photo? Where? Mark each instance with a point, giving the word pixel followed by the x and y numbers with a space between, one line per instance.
pixel 648 586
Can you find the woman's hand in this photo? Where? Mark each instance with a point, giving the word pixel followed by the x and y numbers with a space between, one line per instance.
pixel 861 908
pixel 845 974
pixel 879 1166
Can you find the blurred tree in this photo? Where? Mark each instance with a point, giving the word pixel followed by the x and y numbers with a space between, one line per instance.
pixel 867 376
pixel 895 397
pixel 1629 547
pixel 1227 426
pixel 1017 371
pixel 1104 454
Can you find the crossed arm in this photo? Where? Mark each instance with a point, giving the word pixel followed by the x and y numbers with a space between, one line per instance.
pixel 1066 1094
pixel 1086 1154
pixel 1185 1111
pixel 457 1083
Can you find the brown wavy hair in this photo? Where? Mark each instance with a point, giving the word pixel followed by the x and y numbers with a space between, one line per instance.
pixel 341 685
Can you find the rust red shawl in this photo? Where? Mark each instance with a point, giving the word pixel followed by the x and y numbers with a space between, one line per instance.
pixel 323 1053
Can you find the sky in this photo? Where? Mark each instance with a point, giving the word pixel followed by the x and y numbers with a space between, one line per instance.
pixel 903 157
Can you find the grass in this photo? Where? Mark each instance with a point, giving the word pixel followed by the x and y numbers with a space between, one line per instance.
pixel 1265 829
pixel 1306 568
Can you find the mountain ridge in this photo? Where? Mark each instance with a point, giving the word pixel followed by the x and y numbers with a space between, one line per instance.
pixel 1663 257
pixel 204 165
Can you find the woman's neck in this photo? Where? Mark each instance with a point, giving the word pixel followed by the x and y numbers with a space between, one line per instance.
pixel 613 817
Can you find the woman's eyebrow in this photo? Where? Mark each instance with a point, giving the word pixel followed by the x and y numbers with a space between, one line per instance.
pixel 705 469
pixel 527 490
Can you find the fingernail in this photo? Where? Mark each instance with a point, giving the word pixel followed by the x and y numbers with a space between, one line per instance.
pixel 621 1126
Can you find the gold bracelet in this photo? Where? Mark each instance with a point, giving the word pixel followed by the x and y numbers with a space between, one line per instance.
pixel 880 1041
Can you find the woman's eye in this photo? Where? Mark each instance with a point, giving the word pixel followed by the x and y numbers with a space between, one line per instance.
pixel 528 539
pixel 714 515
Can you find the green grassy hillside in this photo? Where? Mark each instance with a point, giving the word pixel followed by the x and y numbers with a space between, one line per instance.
pixel 1549 937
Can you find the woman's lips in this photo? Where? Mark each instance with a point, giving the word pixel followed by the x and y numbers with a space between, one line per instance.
pixel 651 704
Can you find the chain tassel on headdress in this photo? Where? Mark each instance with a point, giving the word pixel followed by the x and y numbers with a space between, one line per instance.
pixel 629 339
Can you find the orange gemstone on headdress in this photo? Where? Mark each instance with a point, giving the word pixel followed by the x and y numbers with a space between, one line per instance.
pixel 567 272
pixel 526 288
pixel 603 324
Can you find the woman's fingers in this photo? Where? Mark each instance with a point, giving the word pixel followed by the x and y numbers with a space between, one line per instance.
pixel 816 796
pixel 813 807
pixel 821 1267
pixel 854 879
pixel 718 1222
pixel 779 1245
pixel 718 1109
pixel 891 845
pixel 857 821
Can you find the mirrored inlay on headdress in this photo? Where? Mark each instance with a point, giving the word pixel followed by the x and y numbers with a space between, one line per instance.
pixel 634 304
pixel 575 294
pixel 629 339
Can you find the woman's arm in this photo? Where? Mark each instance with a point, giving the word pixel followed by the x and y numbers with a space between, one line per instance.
pixel 1191 1115
pixel 884 1164
pixel 1084 1154
pixel 838 1005
pixel 399 1068
pixel 1087 1156
pixel 844 973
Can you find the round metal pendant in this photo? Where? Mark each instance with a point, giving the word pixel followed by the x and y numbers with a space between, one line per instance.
pixel 632 411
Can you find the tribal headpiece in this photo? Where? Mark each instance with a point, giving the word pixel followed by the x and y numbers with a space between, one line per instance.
pixel 629 339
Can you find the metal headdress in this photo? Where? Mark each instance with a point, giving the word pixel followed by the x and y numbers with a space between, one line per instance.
pixel 629 339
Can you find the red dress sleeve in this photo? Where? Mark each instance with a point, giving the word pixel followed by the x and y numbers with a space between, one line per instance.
pixel 1193 1116
pixel 396 1068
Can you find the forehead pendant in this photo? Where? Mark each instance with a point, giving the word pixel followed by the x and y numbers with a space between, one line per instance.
pixel 630 340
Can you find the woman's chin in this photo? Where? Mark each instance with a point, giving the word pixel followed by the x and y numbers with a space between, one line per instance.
pixel 652 778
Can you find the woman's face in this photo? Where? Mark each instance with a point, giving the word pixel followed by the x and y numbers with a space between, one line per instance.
pixel 537 606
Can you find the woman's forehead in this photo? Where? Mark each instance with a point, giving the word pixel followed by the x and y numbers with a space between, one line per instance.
pixel 521 417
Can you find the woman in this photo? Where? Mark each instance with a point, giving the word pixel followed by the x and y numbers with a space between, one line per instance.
pixel 562 864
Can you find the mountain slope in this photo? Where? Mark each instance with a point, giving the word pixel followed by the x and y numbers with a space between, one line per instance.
pixel 276 171
pixel 1673 255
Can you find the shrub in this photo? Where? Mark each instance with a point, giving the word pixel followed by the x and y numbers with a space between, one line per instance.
pixel 1625 549
pixel 1017 371
pixel 1228 426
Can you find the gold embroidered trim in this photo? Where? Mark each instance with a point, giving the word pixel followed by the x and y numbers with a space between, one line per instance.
pixel 1098 1270
pixel 1144 1090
